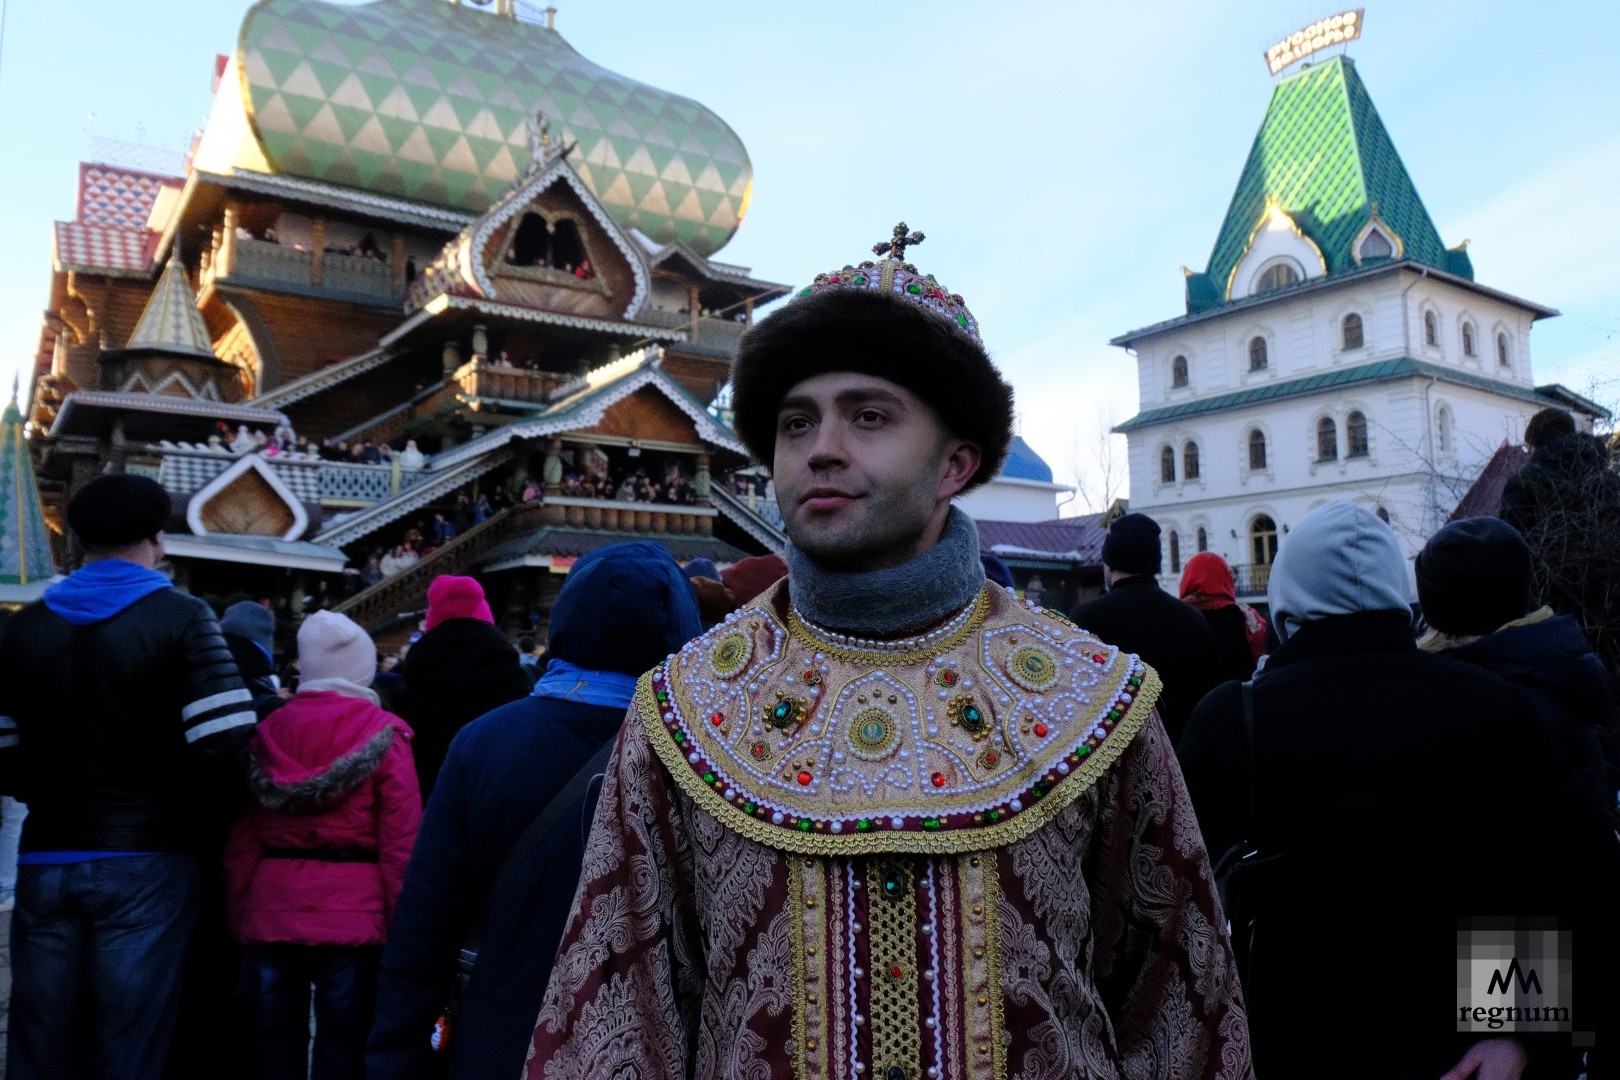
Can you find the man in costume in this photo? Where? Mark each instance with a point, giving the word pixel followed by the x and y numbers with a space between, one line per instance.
pixel 888 820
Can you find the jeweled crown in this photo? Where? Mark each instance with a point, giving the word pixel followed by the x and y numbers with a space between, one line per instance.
pixel 894 275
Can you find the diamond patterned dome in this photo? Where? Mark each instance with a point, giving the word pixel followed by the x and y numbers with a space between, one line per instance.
pixel 428 100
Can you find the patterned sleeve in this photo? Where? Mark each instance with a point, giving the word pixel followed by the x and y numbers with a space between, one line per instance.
pixel 1163 961
pixel 624 995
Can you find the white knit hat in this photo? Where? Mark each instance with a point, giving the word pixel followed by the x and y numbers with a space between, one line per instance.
pixel 332 646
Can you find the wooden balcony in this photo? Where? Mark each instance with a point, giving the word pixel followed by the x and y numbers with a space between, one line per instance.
pixel 482 379
pixel 635 517
pixel 265 264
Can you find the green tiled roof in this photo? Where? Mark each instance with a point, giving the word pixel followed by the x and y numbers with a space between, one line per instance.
pixel 431 101
pixel 1379 371
pixel 25 547
pixel 1323 155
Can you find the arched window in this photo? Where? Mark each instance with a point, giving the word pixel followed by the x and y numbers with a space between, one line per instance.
pixel 1189 461
pixel 1175 552
pixel 1257 449
pixel 531 244
pixel 1262 549
pixel 567 246
pixel 1327 439
pixel 1376 245
pixel 1502 350
pixel 1355 435
pixel 1277 277
pixel 1353 336
pixel 1203 539
pixel 1167 465
pixel 1431 329
pixel 1442 426
pixel 1257 354
pixel 1178 372
pixel 1468 339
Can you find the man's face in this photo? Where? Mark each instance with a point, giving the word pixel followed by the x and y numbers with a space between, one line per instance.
pixel 865 471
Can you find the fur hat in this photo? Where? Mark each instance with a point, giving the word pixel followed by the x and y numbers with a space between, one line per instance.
pixel 1132 545
pixel 252 621
pixel 883 319
pixel 332 646
pixel 118 509
pixel 452 597
pixel 1474 576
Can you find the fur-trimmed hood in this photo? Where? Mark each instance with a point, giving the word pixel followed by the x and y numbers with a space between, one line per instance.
pixel 317 748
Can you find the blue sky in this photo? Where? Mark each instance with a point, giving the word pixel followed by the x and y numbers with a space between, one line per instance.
pixel 1065 159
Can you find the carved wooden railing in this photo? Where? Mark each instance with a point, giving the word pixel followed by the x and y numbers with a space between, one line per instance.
pixel 482 379
pixel 407 590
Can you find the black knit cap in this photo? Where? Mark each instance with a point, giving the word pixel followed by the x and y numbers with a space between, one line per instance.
pixel 1132 545
pixel 1475 575
pixel 118 509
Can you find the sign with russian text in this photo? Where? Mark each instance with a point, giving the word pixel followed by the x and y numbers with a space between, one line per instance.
pixel 1333 30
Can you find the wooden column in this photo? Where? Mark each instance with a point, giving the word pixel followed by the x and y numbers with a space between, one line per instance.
pixel 748 311
pixel 692 306
pixel 227 246
pixel 396 261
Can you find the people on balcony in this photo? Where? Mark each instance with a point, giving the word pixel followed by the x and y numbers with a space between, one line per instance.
pixel 411 457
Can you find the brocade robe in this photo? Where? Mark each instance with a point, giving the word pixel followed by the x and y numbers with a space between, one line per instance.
pixel 969 854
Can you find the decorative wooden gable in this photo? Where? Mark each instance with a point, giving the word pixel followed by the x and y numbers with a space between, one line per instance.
pixel 247 499
pixel 648 415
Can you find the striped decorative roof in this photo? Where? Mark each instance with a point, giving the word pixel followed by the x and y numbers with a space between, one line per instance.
pixel 113 248
pixel 432 101
pixel 171 321
pixel 25 546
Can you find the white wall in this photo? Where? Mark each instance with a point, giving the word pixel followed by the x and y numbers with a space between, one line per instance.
pixel 1005 499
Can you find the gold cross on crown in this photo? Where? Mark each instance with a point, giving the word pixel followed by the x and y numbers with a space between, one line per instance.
pixel 896 246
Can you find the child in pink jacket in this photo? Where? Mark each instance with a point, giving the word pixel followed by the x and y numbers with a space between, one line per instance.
pixel 315 865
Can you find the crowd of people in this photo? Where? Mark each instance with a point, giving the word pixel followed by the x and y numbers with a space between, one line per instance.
pixel 856 810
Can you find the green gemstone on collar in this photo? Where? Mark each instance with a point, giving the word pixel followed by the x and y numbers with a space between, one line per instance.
pixel 804 824
pixel 680 736
pixel 1039 791
pixel 930 823
pixel 1083 751
pixel 993 816
pixel 863 825
pixel 972 715
pixel 663 695
pixel 783 710
pixel 1136 680
pixel 892 883
pixel 748 808
pixel 708 778
pixel 1113 714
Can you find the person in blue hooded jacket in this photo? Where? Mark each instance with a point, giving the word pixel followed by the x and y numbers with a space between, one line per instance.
pixel 120 706
pixel 623 609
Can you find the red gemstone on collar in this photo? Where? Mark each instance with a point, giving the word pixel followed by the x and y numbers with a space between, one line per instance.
pixel 717 719
pixel 1040 731
pixel 939 779
pixel 804 778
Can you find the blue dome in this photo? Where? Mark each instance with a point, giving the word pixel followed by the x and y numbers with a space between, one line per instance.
pixel 1025 464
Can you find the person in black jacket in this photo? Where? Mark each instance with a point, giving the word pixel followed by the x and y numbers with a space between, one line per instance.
pixel 250 634
pixel 1136 616
pixel 1476 583
pixel 118 698
pixel 1399 791
pixel 622 610
pixel 460 668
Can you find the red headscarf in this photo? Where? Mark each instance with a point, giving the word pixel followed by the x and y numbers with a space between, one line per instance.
pixel 1206 583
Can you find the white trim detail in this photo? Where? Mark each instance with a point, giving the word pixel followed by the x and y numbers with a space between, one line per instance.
pixel 214 701
pixel 219 483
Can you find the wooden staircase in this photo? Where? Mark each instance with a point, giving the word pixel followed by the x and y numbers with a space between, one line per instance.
pixel 406 591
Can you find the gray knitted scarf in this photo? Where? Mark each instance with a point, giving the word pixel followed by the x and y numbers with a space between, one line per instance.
pixel 913 596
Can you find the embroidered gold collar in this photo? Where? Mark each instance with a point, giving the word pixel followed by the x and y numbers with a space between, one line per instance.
pixel 968 737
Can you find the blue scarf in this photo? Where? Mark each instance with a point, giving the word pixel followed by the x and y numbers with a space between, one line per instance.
pixel 101 589
pixel 570 682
